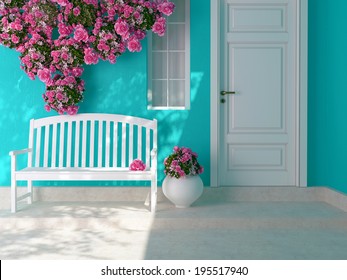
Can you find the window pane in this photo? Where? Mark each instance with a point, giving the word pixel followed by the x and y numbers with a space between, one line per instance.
pixel 177 93
pixel 179 13
pixel 159 43
pixel 177 65
pixel 159 70
pixel 176 33
pixel 159 93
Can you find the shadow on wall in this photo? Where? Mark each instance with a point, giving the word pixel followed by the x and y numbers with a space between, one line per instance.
pixel 120 90
pixel 117 89
pixel 20 100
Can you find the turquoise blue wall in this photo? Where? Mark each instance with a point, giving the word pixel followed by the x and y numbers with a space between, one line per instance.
pixel 109 91
pixel 121 89
pixel 327 94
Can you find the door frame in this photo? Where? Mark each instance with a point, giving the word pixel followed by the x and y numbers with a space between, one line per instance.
pixel 301 94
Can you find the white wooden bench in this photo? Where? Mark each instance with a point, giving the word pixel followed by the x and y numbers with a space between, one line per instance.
pixel 87 147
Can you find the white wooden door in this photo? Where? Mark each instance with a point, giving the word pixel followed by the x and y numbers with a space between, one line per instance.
pixel 258 122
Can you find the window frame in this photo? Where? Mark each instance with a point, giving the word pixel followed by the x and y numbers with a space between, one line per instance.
pixel 186 79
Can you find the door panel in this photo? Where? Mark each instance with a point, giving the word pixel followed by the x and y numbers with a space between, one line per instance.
pixel 258 51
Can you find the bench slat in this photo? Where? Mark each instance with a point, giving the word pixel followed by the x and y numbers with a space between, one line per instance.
pixel 45 154
pixel 139 142
pixel 69 144
pixel 77 144
pixel 38 147
pixel 115 144
pixel 131 143
pixel 124 138
pixel 84 144
pixel 31 143
pixel 54 145
pixel 100 143
pixel 108 142
pixel 91 148
pixel 148 147
pixel 61 144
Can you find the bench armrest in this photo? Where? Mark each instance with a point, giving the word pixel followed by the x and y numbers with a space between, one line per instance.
pixel 18 152
pixel 154 160
pixel 154 153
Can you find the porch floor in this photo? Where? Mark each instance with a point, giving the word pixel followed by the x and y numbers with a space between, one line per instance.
pixel 208 230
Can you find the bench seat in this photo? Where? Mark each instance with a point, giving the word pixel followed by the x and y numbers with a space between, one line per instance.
pixel 82 174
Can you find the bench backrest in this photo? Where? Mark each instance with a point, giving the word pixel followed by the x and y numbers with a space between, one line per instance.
pixel 91 140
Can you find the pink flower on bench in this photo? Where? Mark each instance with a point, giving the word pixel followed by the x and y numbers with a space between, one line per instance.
pixel 137 165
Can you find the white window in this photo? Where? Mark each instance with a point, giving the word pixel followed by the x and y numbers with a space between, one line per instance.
pixel 169 62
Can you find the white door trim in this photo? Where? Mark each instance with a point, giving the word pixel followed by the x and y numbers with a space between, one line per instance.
pixel 301 86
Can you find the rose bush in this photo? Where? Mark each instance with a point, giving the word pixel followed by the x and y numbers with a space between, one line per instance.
pixel 56 37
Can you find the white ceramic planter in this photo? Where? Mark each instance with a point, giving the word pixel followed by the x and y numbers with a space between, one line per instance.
pixel 183 191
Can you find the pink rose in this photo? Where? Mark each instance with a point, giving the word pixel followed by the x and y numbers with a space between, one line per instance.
pixel 35 56
pixel 92 39
pixel 76 11
pixel 65 56
pixel 81 34
pixel 44 75
pixel 31 76
pixel 134 45
pixel 159 26
pixel 77 72
pixel 166 8
pixel 72 110
pixel 59 96
pixel 64 30
pixel 112 58
pixel 185 158
pixel 90 57
pixel 15 39
pixel 122 28
pixel 4 36
pixel 140 34
pixel 137 165
pixel 62 2
pixel 47 108
pixel 128 10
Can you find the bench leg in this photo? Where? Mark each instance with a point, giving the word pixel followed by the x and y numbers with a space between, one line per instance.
pixel 30 190
pixel 13 195
pixel 154 195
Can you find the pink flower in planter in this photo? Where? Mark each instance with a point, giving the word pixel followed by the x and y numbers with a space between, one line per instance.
pixel 137 165
pixel 182 162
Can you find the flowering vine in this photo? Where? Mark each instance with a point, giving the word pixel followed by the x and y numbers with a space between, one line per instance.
pixel 56 37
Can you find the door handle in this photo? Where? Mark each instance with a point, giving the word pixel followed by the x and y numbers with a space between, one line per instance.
pixel 227 92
